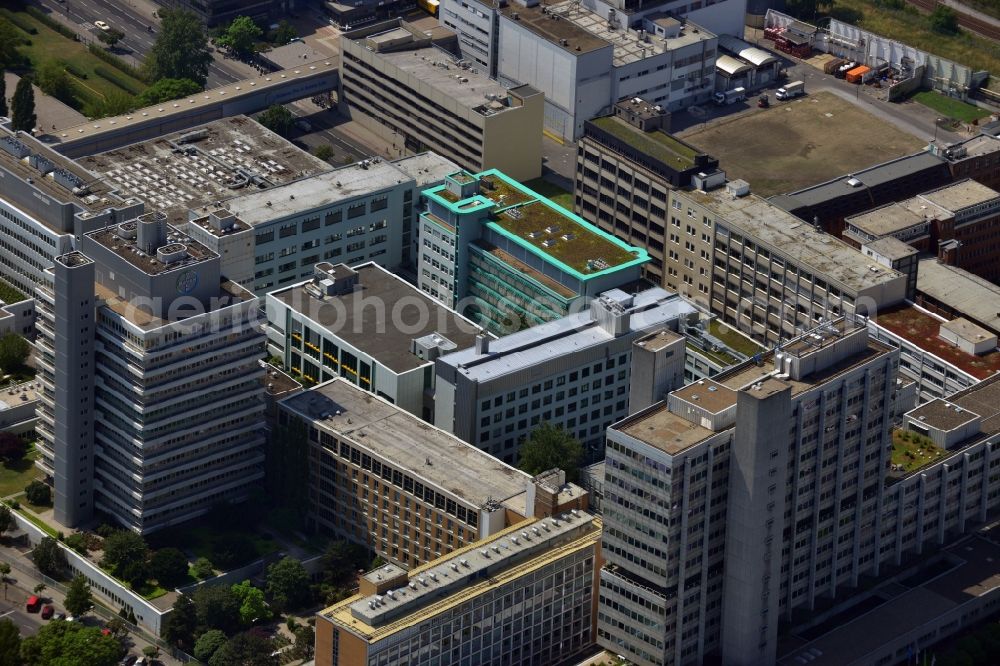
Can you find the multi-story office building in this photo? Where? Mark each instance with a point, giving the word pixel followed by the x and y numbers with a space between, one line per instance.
pixel 626 163
pixel 369 327
pixel 765 272
pixel 573 372
pixel 585 62
pixel 951 292
pixel 399 84
pixel 740 498
pixel 411 492
pixel 46 199
pixel 152 401
pixel 510 258
pixel 959 223
pixel 356 214
pixel 974 158
pixel 523 596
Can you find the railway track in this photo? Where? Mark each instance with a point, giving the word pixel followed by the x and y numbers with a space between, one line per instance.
pixel 966 21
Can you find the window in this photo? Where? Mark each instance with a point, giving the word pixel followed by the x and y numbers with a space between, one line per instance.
pixel 333 217
pixel 380 203
pixel 355 210
pixel 310 224
pixel 265 237
pixel 287 230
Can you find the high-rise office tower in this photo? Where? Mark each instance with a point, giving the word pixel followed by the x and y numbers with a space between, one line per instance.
pixel 152 405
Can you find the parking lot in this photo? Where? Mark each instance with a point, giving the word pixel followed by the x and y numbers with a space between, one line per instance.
pixel 802 142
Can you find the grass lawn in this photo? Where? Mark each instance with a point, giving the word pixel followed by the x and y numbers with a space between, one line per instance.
pixel 950 108
pixel 911 27
pixel 552 192
pixel 733 338
pixel 149 591
pixel 50 45
pixel 29 511
pixel 15 476
pixel 915 451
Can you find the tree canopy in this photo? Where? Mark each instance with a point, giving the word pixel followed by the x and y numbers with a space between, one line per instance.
pixel 241 36
pixel 246 649
pixel 12 447
pixel 54 81
pixel 216 607
pixel 169 566
pixel 111 36
pixel 167 89
pixel 944 20
pixel 278 119
pixel 7 522
pixel 287 584
pixel 38 493
pixel 126 554
pixel 70 644
pixel 208 644
pixel 49 557
pixel 14 349
pixel 550 446
pixel 78 597
pixel 10 643
pixel 252 604
pixel 182 623
pixel 9 41
pixel 23 118
pixel 181 48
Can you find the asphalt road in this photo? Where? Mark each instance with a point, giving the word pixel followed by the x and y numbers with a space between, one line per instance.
pixel 27 623
pixel 138 40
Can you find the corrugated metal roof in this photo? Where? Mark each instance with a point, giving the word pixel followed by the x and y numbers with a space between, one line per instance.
pixel 751 54
pixel 731 65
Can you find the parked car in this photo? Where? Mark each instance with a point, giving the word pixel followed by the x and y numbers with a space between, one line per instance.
pixel 33 604
pixel 102 25
pixel 59 616
pixel 129 660
pixel 48 611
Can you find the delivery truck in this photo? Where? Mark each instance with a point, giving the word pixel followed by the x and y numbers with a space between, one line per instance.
pixel 730 96
pixel 791 90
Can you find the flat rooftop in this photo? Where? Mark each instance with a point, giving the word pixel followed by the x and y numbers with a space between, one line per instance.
pixel 577 38
pixel 19 153
pixel 426 168
pixel 707 394
pixel 960 195
pixel 294 54
pixel 317 191
pixel 797 241
pixel 982 399
pixel 973 574
pixel 977 146
pixel 896 217
pixel 376 331
pixel 922 329
pixel 942 414
pixel 874 176
pixel 524 350
pixel 209 167
pixel 891 247
pixel 963 292
pixel 657 144
pixel 230 291
pixel 408 442
pixel 662 429
pixel 438 69
pixel 20 394
pixel 438 586
pixel 185 251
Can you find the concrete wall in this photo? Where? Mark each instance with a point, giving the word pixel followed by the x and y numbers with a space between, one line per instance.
pixel 103 586
pixel 898 91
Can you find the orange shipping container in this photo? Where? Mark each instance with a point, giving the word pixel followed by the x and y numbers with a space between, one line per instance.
pixel 857 74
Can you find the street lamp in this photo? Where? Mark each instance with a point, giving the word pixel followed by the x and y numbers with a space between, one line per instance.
pixel 937 123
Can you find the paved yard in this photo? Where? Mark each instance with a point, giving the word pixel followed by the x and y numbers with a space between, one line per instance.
pixel 802 142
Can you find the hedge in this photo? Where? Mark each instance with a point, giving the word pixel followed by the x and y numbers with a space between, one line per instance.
pixel 63 30
pixel 75 70
pixel 117 63
pixel 117 79
pixel 19 21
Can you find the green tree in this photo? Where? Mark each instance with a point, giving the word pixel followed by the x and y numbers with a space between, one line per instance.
pixel 305 638
pixel 208 644
pixel 246 649
pixel 54 81
pixel 10 643
pixel 233 549
pixel 287 584
pixel 202 568
pixel 340 562
pixel 49 557
pixel 217 608
pixel 252 604
pixel 182 623
pixel 168 566
pixel 78 597
pixel 115 103
pixel 111 37
pixel 14 349
pixel 323 151
pixel 3 89
pixel 12 448
pixel 9 41
pixel 7 522
pixel 38 493
pixel 241 36
pixel 70 644
pixel 278 119
pixel 38 589
pixel 550 446
pixel 4 571
pixel 943 20
pixel 167 89
pixel 117 627
pixel 126 554
pixel 151 652
pixel 22 111
pixel 181 48
pixel 78 542
pixel 284 33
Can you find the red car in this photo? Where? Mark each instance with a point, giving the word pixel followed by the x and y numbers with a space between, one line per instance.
pixel 47 612
pixel 34 603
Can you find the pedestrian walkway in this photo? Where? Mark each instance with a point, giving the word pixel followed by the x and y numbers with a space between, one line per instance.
pixel 971 11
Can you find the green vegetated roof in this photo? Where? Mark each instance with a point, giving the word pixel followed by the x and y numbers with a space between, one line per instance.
pixel 915 451
pixel 733 339
pixel 657 144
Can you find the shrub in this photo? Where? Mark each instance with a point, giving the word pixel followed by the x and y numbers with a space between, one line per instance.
pixel 41 16
pixel 75 70
pixel 20 22
pixel 38 493
pixel 117 62
pixel 117 79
